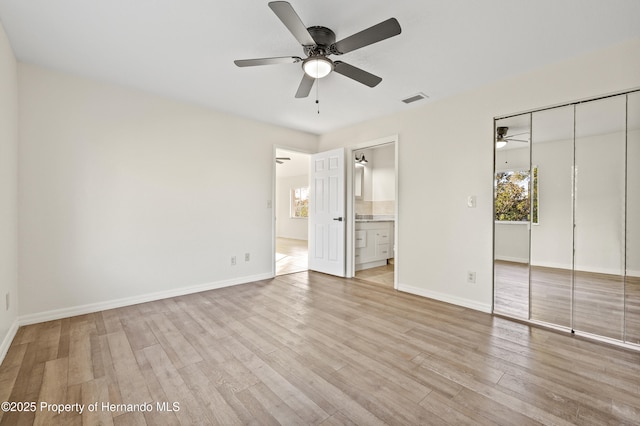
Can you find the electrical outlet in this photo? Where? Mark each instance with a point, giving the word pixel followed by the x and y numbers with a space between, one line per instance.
pixel 7 301
pixel 247 257
pixel 471 277
pixel 233 260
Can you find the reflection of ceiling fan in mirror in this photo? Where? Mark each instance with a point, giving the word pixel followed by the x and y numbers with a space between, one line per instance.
pixel 281 160
pixel 502 138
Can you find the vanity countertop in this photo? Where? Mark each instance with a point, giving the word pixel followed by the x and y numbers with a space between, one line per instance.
pixel 375 218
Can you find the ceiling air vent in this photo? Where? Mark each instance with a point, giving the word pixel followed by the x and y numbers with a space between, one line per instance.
pixel 417 97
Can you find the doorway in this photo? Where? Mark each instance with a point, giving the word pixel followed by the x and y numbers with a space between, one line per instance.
pixel 374 206
pixel 291 211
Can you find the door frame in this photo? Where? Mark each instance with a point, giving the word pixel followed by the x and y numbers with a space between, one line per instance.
pixel 350 206
pixel 272 202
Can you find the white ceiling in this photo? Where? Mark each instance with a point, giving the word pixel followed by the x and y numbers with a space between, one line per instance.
pixel 184 49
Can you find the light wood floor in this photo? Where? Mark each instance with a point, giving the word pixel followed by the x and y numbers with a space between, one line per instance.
pixel 291 256
pixel 603 304
pixel 382 275
pixel 308 348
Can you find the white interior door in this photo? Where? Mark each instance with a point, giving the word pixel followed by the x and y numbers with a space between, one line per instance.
pixel 327 213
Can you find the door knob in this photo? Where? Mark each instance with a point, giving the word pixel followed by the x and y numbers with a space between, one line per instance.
pixel 339 219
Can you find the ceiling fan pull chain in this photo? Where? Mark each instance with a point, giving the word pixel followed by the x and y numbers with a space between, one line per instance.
pixel 317 96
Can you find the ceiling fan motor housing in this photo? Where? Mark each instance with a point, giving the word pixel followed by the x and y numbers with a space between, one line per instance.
pixel 323 37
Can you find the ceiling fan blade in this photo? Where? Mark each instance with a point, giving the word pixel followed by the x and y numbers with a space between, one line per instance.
pixel 283 158
pixel 305 86
pixel 292 21
pixel 379 32
pixel 357 74
pixel 515 140
pixel 267 61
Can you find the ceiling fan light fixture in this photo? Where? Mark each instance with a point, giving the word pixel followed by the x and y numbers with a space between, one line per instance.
pixel 317 66
pixel 501 144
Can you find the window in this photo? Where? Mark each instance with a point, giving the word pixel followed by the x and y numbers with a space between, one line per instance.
pixel 513 203
pixel 300 202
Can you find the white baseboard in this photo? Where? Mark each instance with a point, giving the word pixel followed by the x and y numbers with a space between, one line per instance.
pixel 8 338
pixel 460 301
pixel 127 301
pixel 374 264
pixel 512 259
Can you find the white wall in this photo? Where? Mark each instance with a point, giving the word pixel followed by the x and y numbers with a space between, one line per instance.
pixel 286 226
pixel 384 173
pixel 8 195
pixel 378 181
pixel 123 194
pixel 440 238
pixel 512 242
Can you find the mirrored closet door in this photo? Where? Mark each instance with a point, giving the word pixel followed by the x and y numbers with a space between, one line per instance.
pixel 512 187
pixel 552 235
pixel 632 240
pixel 567 217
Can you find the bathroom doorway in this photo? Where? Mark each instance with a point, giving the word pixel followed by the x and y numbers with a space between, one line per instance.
pixel 375 213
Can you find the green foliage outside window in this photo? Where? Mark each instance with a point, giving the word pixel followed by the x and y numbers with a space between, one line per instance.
pixel 300 202
pixel 513 203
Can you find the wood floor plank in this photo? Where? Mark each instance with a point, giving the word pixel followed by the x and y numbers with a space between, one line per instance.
pixel 80 355
pixel 131 383
pixel 309 348
pixel 372 391
pixel 323 393
pixel 53 391
pixel 156 393
pixel 93 391
pixel 208 396
pixel 279 386
pixel 173 341
pixel 451 412
pixel 174 387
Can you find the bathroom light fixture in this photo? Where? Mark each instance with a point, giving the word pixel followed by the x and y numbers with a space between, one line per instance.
pixel 317 66
pixel 361 160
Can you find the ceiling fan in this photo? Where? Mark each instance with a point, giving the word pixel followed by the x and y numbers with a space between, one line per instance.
pixel 502 138
pixel 320 42
pixel 281 160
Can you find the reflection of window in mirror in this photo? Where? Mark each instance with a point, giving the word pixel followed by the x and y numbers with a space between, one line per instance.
pixel 358 182
pixel 512 201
